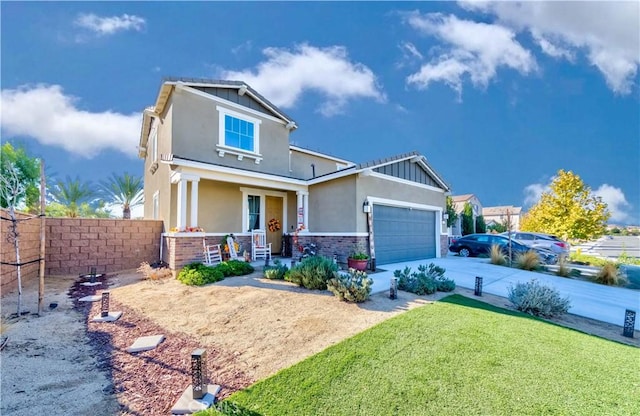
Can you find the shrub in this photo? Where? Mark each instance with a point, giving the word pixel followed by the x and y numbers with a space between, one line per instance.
pixel 427 280
pixel 313 272
pixel 609 275
pixel 354 286
pixel 539 300
pixel 154 273
pixel 198 274
pixel 497 256
pixel 528 261
pixel 277 271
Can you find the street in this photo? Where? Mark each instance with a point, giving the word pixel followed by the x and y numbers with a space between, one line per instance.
pixel 611 247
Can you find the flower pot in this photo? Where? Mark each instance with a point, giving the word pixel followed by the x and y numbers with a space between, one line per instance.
pixel 357 264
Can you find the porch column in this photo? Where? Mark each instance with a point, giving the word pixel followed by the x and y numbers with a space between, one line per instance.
pixel 194 202
pixel 181 220
pixel 299 210
pixel 305 203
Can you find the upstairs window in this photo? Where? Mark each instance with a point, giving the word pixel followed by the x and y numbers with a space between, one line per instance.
pixel 238 131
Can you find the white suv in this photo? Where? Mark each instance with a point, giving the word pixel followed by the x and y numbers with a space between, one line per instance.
pixel 541 240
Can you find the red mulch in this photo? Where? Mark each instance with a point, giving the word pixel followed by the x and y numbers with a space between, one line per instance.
pixel 150 382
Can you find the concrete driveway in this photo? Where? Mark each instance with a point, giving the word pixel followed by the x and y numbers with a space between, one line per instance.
pixel 591 300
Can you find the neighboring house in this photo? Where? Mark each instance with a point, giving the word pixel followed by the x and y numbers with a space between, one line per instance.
pixel 218 156
pixel 499 215
pixel 459 202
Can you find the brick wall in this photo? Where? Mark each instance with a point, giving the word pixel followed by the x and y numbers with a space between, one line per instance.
pixel 29 240
pixel 73 245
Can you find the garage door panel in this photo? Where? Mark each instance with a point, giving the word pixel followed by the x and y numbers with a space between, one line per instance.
pixel 403 234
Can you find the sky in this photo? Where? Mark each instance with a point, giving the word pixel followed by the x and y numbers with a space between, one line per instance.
pixel 498 96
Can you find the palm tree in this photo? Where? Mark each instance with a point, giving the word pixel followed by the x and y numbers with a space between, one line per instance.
pixel 126 190
pixel 72 194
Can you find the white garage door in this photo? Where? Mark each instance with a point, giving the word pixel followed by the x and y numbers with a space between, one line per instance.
pixel 403 234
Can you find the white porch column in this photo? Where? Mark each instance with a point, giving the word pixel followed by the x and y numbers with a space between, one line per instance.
pixel 181 212
pixel 299 209
pixel 194 202
pixel 305 203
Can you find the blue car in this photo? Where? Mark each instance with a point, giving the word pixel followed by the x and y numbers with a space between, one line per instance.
pixel 480 245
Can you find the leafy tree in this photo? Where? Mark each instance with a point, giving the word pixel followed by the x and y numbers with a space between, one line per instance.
pixel 481 226
pixel 497 227
pixel 74 197
pixel 27 170
pixel 126 190
pixel 467 219
pixel 568 209
pixel 451 212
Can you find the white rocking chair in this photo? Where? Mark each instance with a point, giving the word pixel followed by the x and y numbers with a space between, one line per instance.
pixel 260 249
pixel 212 253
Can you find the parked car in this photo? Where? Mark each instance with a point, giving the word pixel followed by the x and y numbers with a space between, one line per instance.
pixel 480 244
pixel 541 240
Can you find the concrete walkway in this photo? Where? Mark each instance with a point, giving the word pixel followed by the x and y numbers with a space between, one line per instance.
pixel 591 300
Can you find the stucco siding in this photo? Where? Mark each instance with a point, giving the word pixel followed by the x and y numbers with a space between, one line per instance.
pixel 301 165
pixel 333 206
pixel 220 207
pixel 196 136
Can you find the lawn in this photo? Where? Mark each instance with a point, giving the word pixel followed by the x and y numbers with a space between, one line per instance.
pixel 458 356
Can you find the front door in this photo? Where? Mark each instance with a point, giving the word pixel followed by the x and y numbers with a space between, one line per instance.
pixel 273 219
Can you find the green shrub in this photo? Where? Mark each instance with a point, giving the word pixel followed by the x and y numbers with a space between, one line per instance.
pixel 234 268
pixel 354 286
pixel 198 274
pixel 609 275
pixel 277 271
pixel 539 300
pixel 313 272
pixel 497 256
pixel 427 280
pixel 528 261
pixel 579 258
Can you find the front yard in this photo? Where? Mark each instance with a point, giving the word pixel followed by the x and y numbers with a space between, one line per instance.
pixel 456 357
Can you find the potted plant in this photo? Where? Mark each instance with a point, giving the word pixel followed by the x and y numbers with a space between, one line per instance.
pixel 358 260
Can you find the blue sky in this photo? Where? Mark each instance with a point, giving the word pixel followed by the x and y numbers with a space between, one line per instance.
pixel 497 96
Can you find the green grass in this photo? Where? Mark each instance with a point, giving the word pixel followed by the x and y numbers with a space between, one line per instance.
pixel 456 357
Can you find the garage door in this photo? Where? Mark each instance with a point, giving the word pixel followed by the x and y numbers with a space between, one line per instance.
pixel 403 234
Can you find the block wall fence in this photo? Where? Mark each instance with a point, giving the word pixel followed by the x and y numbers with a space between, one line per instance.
pixel 73 245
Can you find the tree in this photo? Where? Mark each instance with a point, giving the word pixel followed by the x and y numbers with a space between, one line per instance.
pixel 481 226
pixel 467 219
pixel 568 209
pixel 125 190
pixel 27 171
pixel 452 215
pixel 72 196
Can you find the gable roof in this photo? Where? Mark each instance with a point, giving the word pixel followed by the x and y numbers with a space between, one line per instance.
pixel 365 167
pixel 169 84
pixel 462 198
pixel 501 210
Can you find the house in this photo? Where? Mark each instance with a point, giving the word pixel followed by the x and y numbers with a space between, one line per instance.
pixel 459 202
pixel 218 160
pixel 499 215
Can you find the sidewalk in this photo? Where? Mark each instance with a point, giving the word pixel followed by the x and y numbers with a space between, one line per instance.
pixel 591 300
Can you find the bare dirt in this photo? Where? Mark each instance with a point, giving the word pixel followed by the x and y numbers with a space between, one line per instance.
pixel 62 363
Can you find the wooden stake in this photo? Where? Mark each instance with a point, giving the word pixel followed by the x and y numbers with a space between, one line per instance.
pixel 42 236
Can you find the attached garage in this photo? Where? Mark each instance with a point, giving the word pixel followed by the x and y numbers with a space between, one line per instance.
pixel 403 234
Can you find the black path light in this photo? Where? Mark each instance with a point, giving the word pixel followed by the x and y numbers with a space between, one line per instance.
pixel 92 274
pixel 478 289
pixel 104 304
pixel 629 323
pixel 199 373
pixel 393 288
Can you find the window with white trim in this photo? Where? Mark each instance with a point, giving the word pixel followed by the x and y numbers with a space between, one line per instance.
pixel 253 212
pixel 238 131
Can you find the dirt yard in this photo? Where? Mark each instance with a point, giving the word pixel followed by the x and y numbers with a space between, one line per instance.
pixel 250 327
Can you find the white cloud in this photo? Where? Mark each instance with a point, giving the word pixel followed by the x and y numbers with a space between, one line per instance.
pixel 533 192
pixel 287 74
pixel 616 201
pixel 473 49
pixel 45 114
pixel 110 25
pixel 606 32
